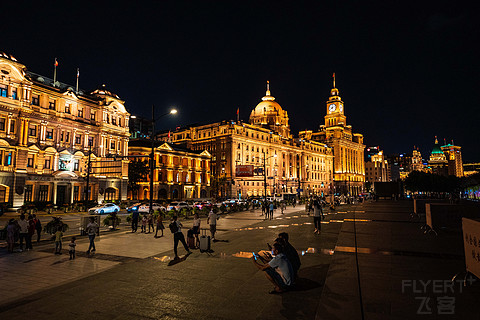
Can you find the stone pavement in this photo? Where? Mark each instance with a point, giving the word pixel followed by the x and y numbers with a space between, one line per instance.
pixel 139 280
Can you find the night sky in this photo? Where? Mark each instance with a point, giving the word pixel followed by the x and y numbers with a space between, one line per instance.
pixel 406 72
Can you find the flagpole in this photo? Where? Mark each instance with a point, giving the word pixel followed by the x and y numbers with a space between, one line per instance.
pixel 55 72
pixel 238 114
pixel 78 74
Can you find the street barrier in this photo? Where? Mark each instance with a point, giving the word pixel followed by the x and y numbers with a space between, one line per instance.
pixel 445 215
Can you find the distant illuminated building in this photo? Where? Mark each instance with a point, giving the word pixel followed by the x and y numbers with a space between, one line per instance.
pixel 293 166
pixel 348 147
pixel 370 151
pixel 417 161
pixel 438 163
pixel 453 154
pixel 471 168
pixel 376 168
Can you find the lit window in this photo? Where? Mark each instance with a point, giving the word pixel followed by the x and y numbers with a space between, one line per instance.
pixel 80 113
pixel 51 104
pixel 47 163
pixel 75 166
pixel 35 99
pixel 3 90
pixel 14 94
pixel 30 161
pixel 92 116
pixel 49 133
pixel 12 126
pixel 78 139
pixel 32 130
pixel 67 108
pixel 2 124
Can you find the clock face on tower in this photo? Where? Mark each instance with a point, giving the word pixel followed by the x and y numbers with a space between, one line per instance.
pixel 341 108
pixel 332 107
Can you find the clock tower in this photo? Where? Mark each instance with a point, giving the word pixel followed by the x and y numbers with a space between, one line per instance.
pixel 335 111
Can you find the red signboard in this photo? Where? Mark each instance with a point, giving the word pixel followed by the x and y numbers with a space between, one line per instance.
pixel 244 171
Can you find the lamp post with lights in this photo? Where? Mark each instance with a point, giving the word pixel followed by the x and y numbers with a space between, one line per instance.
pixel 152 154
pixel 265 173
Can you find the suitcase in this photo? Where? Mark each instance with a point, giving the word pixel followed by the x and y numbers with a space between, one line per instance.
pixel 191 242
pixel 204 241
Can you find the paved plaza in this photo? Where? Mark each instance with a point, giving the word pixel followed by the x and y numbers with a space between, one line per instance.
pixel 132 275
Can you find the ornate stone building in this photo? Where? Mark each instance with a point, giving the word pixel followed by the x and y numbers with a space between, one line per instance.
pixel 291 165
pixel 48 131
pixel 348 147
pixel 179 173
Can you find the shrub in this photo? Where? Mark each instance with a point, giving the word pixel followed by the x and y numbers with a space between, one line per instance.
pixel 52 226
pixel 109 220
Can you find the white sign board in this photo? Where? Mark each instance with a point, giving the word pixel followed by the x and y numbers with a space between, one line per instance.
pixel 471 242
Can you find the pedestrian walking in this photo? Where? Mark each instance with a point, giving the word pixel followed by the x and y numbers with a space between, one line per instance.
pixel 71 248
pixel 150 222
pixel 135 215
pixel 11 229
pixel 176 228
pixel 160 225
pixel 144 224
pixel 31 232
pixel 212 221
pixel 23 225
pixel 317 216
pixel 196 228
pixel 38 227
pixel 271 211
pixel 92 230
pixel 58 240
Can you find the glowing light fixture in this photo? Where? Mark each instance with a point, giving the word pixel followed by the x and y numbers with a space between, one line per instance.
pixel 173 111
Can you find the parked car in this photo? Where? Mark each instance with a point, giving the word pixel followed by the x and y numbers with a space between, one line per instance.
pixel 133 207
pixel 104 209
pixel 145 207
pixel 177 206
pixel 201 205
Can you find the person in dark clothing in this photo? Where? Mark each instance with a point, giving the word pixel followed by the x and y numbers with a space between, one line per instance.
pixel 135 215
pixel 178 236
pixel 290 252
pixel 38 227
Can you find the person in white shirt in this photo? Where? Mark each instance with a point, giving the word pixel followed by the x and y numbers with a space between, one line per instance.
pixel 92 229
pixel 212 221
pixel 23 224
pixel 278 270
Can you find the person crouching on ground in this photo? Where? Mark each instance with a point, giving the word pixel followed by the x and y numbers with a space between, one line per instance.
pixel 278 270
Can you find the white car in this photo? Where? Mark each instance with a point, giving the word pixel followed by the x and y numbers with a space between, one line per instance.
pixel 145 207
pixel 104 209
pixel 177 206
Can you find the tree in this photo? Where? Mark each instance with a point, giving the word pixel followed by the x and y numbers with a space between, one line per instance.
pixel 137 172
pixel 429 182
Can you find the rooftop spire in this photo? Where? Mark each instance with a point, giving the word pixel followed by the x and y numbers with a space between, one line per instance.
pixel 334 79
pixel 436 141
pixel 268 88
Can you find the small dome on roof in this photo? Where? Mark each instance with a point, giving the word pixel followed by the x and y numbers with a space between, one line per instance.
pixel 102 91
pixel 436 148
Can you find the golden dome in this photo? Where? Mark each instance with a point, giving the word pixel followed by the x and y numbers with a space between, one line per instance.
pixel 268 104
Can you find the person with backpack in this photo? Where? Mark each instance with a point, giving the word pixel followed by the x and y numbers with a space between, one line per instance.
pixel 176 228
pixel 317 216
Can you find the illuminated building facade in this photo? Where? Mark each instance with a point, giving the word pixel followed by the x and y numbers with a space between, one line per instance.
pixel 376 168
pixel 417 161
pixel 348 147
pixel 438 163
pixel 292 165
pixel 47 133
pixel 179 173
pixel 453 154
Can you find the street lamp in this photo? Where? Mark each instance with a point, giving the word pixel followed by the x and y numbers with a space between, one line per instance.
pixel 152 154
pixel 265 173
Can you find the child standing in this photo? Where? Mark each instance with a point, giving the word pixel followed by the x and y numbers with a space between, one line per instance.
pixel 58 241
pixel 144 223
pixel 71 248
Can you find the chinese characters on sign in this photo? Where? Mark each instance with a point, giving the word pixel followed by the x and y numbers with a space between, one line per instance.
pixel 471 243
